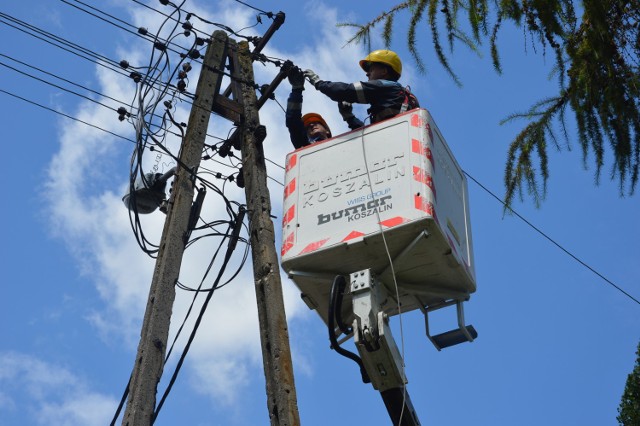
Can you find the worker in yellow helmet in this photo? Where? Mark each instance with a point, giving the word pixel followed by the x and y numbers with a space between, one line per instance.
pixel 382 91
pixel 307 129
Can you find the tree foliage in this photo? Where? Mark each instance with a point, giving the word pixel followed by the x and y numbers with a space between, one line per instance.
pixel 596 46
pixel 629 409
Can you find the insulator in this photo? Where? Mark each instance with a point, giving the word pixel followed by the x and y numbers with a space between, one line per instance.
pixel 136 76
pixel 186 66
pixel 240 178
pixel 143 31
pixel 124 64
pixel 224 149
pixel 182 86
pixel 260 133
pixel 194 54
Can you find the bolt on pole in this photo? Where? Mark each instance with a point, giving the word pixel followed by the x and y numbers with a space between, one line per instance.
pixel 149 362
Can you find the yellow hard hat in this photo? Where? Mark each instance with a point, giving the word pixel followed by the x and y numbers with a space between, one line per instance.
pixel 383 56
pixel 314 117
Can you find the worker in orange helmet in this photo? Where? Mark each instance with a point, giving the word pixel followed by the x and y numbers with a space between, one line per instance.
pixel 307 129
pixel 382 91
pixel 317 129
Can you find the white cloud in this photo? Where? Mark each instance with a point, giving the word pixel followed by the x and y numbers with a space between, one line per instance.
pixel 88 176
pixel 54 395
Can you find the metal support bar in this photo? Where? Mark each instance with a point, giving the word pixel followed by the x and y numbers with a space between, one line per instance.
pixel 403 253
pixel 310 274
pixel 275 25
pixel 400 407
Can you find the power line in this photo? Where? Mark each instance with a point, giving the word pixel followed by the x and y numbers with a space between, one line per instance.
pixel 55 76
pixel 75 49
pixel 63 88
pixel 106 20
pixel 608 281
pixel 67 116
pixel 254 8
pixel 59 42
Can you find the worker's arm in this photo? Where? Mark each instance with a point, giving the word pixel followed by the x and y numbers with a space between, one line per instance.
pixel 346 111
pixel 380 94
pixel 293 119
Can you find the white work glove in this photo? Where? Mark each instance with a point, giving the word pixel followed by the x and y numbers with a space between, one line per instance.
pixel 312 77
pixel 346 110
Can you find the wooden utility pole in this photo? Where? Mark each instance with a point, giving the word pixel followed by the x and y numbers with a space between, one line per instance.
pixel 149 361
pixel 274 336
pixel 243 109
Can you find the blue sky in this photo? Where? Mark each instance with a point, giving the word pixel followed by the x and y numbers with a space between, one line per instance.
pixel 556 341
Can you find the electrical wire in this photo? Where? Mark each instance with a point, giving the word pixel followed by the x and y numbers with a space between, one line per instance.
pixel 254 8
pixel 551 240
pixel 66 115
pixel 392 269
pixel 172 380
pixel 80 95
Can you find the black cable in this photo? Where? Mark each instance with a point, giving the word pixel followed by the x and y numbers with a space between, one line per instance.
pixel 196 326
pixel 52 39
pixel 269 14
pixel 337 297
pixel 125 394
pixel 58 87
pixel 134 31
pixel 193 300
pixel 71 47
pixel 551 240
pixel 338 286
pixel 95 92
pixel 133 114
pixel 67 116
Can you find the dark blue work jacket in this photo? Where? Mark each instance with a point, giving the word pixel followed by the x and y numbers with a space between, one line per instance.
pixel 385 96
pixel 293 119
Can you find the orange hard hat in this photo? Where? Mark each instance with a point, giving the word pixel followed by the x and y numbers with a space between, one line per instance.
pixel 314 117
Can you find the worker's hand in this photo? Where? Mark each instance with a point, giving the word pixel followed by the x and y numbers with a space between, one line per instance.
pixel 296 78
pixel 346 110
pixel 312 77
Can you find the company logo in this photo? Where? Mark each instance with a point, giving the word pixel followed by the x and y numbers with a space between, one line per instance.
pixel 358 211
pixel 350 182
